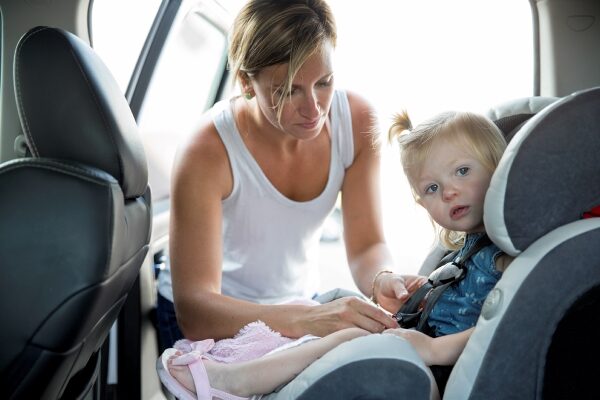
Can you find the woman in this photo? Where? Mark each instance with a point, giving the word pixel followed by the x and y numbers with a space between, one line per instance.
pixel 253 187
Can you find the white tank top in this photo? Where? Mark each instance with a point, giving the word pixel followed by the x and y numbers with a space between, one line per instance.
pixel 271 243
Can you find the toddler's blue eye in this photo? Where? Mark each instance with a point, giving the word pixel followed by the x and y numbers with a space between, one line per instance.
pixel 462 171
pixel 431 188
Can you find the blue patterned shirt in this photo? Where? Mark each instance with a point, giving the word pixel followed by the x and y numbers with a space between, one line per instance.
pixel 459 306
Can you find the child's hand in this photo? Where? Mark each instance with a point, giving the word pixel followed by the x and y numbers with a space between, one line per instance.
pixel 393 290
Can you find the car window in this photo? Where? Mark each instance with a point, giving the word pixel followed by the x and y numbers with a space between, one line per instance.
pixel 185 84
pixel 186 79
pixel 118 30
pixel 426 57
pixel 435 55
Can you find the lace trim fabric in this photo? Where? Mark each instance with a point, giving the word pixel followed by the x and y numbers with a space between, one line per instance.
pixel 253 341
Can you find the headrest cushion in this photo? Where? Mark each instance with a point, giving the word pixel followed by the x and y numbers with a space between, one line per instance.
pixel 71 108
pixel 549 174
pixel 511 115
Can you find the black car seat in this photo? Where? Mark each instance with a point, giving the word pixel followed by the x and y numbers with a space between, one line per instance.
pixel 537 334
pixel 75 219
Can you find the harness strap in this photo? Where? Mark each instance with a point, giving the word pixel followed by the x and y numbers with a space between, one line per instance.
pixel 410 313
pixel 432 298
pixel 415 312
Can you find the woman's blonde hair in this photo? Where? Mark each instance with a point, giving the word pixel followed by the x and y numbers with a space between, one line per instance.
pixel 270 32
pixel 477 133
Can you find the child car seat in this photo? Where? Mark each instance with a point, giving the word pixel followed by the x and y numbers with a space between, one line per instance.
pixel 539 324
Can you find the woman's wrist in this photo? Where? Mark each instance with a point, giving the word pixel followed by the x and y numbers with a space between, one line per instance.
pixel 374 282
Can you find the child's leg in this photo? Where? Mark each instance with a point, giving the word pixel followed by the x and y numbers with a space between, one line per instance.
pixel 267 373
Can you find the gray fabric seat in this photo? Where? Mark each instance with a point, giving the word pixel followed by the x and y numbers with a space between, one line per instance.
pixel 75 219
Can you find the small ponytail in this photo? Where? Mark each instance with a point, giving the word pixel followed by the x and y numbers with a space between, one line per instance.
pixel 400 125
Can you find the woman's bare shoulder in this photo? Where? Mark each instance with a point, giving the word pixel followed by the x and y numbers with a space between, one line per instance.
pixel 358 102
pixel 203 154
pixel 365 126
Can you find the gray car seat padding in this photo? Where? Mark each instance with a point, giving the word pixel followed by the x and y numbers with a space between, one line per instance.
pixel 546 179
pixel 370 367
pixel 549 163
pixel 511 115
pixel 507 355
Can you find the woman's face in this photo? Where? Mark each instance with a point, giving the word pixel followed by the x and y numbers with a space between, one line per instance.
pixel 305 110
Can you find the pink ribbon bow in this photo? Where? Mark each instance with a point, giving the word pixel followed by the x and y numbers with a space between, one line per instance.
pixel 192 351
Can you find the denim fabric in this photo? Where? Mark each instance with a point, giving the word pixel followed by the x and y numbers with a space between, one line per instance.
pixel 168 330
pixel 459 306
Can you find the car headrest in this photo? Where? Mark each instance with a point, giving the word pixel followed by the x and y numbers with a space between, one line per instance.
pixel 511 115
pixel 549 174
pixel 72 109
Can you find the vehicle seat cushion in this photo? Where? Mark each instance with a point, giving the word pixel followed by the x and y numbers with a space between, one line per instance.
pixel 363 369
pixel 521 314
pixel 93 260
pixel 71 108
pixel 534 189
pixel 511 115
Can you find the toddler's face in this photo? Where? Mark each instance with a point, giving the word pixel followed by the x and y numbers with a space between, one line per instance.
pixel 451 186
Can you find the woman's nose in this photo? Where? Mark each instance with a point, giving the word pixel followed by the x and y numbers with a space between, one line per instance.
pixel 310 107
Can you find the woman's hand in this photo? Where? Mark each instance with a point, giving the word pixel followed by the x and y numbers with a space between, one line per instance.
pixel 393 290
pixel 343 313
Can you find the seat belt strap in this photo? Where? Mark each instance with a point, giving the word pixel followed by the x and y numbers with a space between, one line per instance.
pixel 415 312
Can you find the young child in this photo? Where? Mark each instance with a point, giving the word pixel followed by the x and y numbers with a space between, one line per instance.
pixel 449 161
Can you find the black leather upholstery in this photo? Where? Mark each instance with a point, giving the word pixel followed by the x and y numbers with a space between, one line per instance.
pixel 75 218
pixel 82 115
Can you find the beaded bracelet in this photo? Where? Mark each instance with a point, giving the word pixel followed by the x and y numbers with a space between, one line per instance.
pixel 383 271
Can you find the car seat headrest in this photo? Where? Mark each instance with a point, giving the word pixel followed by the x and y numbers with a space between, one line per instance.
pixel 548 175
pixel 511 115
pixel 71 108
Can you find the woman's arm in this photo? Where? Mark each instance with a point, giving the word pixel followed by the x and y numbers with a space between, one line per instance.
pixel 363 231
pixel 202 179
pixel 443 350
